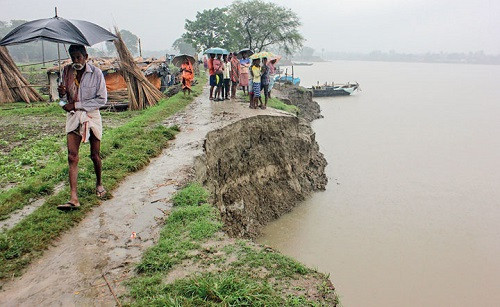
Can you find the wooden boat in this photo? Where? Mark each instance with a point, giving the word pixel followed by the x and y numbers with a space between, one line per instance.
pixel 301 64
pixel 287 79
pixel 334 90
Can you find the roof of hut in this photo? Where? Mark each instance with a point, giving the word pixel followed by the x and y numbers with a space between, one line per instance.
pixel 108 65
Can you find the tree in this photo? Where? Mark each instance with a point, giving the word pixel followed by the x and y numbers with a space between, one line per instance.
pixel 211 28
pixel 263 25
pixel 131 41
pixel 305 53
pixel 28 52
pixel 183 47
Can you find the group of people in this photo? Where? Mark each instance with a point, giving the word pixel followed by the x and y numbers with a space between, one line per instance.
pixel 83 92
pixel 227 72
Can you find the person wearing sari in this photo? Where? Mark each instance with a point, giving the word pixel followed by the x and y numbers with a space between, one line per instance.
pixel 235 74
pixel 187 76
pixel 272 75
pixel 244 72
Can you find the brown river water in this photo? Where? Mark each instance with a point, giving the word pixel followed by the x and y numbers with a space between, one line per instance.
pixel 411 213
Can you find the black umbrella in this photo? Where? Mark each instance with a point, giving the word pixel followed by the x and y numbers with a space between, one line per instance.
pixel 248 52
pixel 178 60
pixel 58 30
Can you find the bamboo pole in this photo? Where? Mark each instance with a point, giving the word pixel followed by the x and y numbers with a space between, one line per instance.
pixel 141 92
pixel 13 85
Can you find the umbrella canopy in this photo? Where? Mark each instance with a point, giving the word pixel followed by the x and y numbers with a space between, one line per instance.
pixel 178 60
pixel 262 54
pixel 58 30
pixel 276 57
pixel 248 52
pixel 216 50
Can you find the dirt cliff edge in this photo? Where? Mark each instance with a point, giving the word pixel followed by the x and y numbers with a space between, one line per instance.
pixel 259 168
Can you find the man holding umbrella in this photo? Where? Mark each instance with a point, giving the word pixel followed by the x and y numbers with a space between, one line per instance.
pixel 84 89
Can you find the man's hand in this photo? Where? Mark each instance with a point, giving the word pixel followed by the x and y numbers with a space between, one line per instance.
pixel 69 107
pixel 62 90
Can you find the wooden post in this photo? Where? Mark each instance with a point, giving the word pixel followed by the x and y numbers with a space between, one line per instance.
pixel 286 75
pixel 292 74
pixel 59 80
pixel 43 55
pixel 140 49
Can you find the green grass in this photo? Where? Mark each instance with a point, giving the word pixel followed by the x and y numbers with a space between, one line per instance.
pixel 124 149
pixel 186 228
pixel 192 194
pixel 275 103
pixel 240 282
pixel 280 105
pixel 228 288
pixel 276 264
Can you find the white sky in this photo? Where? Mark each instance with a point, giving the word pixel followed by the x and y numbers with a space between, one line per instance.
pixel 336 25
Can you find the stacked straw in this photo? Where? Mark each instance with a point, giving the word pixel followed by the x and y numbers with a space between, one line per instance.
pixel 141 93
pixel 13 86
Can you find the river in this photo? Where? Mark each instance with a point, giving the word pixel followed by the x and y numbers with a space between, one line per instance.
pixel 411 213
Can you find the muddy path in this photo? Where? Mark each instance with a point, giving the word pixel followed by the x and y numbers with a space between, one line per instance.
pixel 71 271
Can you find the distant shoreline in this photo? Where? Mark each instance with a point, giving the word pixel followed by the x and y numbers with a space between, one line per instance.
pixel 397 61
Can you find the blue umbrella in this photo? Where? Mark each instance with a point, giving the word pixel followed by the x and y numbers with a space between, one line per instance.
pixel 216 50
pixel 58 30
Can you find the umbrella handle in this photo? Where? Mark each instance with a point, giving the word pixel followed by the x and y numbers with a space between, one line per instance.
pixel 59 80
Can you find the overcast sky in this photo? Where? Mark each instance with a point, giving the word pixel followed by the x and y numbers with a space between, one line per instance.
pixel 335 25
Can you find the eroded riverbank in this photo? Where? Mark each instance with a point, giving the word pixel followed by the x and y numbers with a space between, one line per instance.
pixel 72 271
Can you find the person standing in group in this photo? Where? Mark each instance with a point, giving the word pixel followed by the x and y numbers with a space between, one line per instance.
pixel 272 73
pixel 264 81
pixel 187 76
pixel 227 76
pixel 205 63
pixel 235 74
pixel 219 77
pixel 211 73
pixel 256 75
pixel 244 74
pixel 82 92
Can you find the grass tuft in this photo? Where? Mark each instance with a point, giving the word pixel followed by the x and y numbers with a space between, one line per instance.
pixel 192 195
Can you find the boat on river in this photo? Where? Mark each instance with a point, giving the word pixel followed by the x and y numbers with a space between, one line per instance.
pixel 334 90
pixel 288 79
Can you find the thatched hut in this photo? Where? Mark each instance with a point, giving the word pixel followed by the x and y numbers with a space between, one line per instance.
pixel 155 71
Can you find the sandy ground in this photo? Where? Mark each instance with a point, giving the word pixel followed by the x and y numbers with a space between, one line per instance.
pixel 71 272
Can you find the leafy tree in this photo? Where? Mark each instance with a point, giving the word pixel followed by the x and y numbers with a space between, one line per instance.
pixel 305 52
pixel 263 25
pixel 30 52
pixel 131 41
pixel 211 28
pixel 183 47
pixel 111 49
